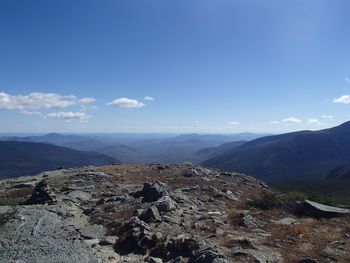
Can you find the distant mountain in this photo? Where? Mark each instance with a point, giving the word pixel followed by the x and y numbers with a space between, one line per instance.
pixel 76 142
pixel 123 153
pixel 169 150
pixel 220 138
pixel 208 153
pixel 28 158
pixel 292 156
pixel 138 148
pixel 340 173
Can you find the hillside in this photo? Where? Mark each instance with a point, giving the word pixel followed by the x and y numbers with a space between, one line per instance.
pixel 28 158
pixel 208 153
pixel 293 156
pixel 340 173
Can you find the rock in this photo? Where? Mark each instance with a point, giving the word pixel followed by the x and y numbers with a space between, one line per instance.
pixel 135 236
pixel 107 241
pixel 191 172
pixel 152 192
pixel 308 260
pixel 230 195
pixel 286 221
pixel 92 231
pixel 138 212
pixel 263 185
pixel 78 196
pixel 42 194
pixel 150 215
pixel 319 210
pixel 251 222
pixel 165 204
pixel 42 236
pixel 208 255
pixel 154 260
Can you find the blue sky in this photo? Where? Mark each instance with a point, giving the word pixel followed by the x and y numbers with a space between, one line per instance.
pixel 207 66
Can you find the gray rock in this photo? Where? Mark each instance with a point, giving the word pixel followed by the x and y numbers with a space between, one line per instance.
pixel 36 235
pixel 251 222
pixel 135 236
pixel 92 231
pixel 151 192
pixel 78 196
pixel 317 209
pixel 165 204
pixel 150 215
pixel 287 221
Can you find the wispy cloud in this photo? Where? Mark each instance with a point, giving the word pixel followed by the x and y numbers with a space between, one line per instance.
pixel 126 103
pixel 149 98
pixel 35 101
pixel 274 122
pixel 314 121
pixel 344 99
pixel 233 123
pixel 347 80
pixel 325 116
pixel 87 100
pixel 291 120
pixel 69 116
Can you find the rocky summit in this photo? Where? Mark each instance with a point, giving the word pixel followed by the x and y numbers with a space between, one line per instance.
pixel 160 213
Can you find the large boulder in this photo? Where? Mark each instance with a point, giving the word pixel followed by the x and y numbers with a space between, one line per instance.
pixel 151 192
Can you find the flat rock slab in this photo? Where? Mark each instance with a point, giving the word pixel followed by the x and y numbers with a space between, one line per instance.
pixel 36 235
pixel 326 208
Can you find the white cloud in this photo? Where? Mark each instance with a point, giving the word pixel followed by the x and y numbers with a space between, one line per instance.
pixel 274 122
pixel 87 100
pixel 344 99
pixel 233 123
pixel 314 121
pixel 69 116
pixel 291 120
pixel 325 116
pixel 31 113
pixel 126 103
pixel 149 98
pixel 35 101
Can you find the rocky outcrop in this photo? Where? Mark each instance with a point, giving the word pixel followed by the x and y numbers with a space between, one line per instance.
pixel 110 214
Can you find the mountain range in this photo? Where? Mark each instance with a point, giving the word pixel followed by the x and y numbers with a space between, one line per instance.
pixel 28 158
pixel 292 156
